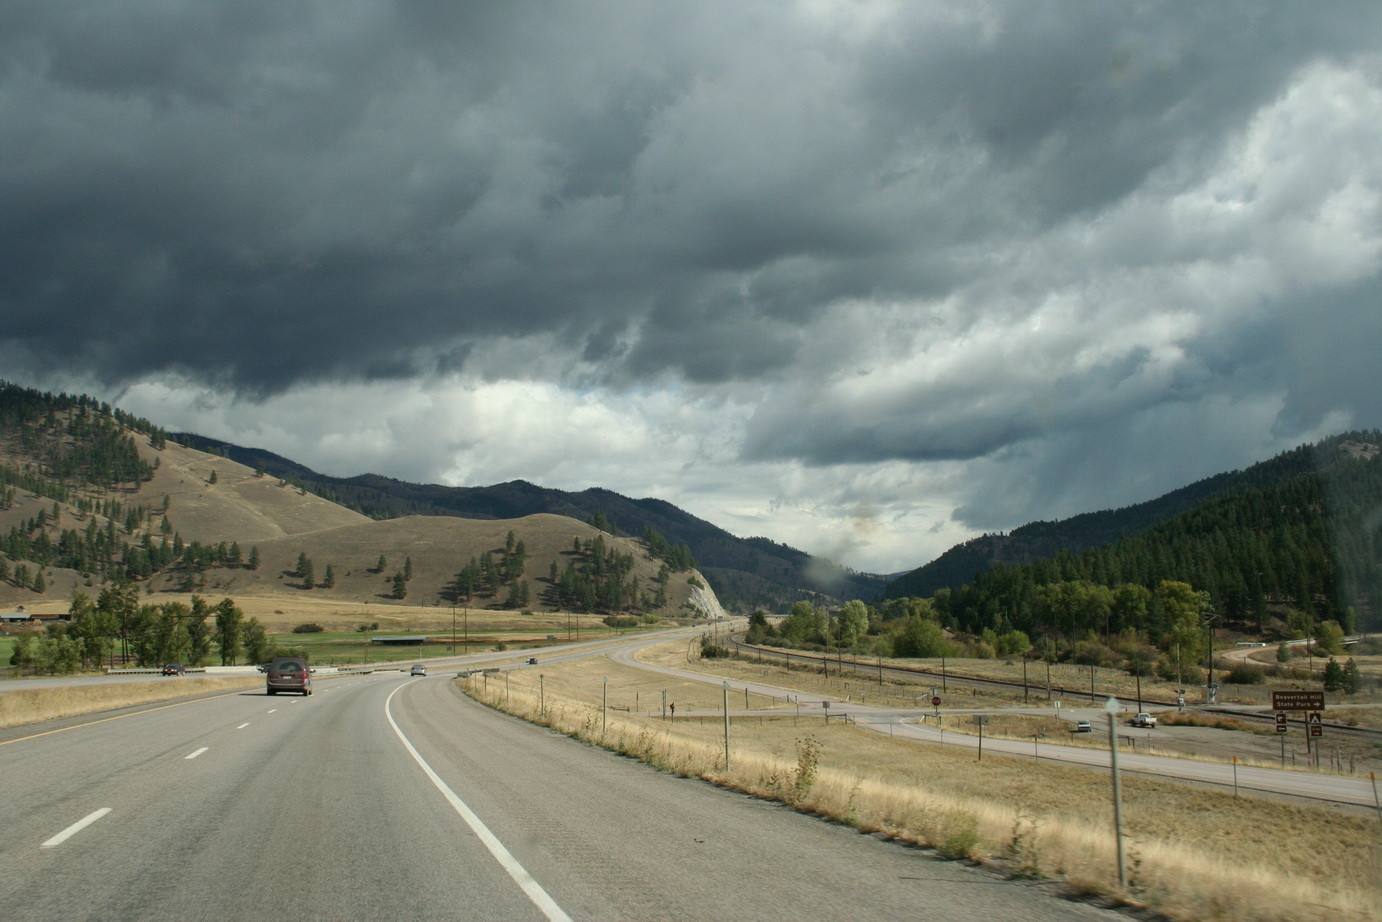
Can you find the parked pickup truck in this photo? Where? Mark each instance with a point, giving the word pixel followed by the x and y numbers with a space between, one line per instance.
pixel 1144 720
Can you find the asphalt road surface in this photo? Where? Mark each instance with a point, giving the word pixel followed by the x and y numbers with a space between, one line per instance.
pixel 383 796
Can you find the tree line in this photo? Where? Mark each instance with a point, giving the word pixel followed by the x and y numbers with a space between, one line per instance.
pixel 116 628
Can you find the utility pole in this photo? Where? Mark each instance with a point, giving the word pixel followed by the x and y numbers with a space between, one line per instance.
pixel 1211 690
pixel 1111 707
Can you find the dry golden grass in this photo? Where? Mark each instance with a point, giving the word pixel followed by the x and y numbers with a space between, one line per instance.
pixel 1193 854
pixel 35 704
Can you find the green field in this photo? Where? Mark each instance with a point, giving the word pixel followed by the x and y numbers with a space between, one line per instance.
pixel 355 647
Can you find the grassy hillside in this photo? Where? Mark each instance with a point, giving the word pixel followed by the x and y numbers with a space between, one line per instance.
pixel 176 519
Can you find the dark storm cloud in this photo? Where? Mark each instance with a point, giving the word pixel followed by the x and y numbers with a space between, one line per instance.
pixel 267 194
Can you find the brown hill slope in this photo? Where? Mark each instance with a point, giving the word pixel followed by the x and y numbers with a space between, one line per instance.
pixel 193 496
pixel 211 499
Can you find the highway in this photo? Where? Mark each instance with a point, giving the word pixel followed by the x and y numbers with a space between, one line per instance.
pixel 385 796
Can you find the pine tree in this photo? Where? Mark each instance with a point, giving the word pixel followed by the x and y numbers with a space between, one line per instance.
pixel 400 586
pixel 1352 678
pixel 254 557
pixel 1333 675
pixel 329 577
pixel 305 572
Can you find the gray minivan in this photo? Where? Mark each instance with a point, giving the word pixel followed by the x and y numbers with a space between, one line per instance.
pixel 288 674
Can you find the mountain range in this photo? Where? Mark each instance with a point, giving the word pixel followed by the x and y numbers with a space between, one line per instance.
pixel 745 572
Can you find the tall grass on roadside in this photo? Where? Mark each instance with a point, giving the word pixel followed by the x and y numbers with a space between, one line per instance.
pixel 1182 881
pixel 32 705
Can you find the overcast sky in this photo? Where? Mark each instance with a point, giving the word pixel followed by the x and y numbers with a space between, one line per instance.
pixel 868 278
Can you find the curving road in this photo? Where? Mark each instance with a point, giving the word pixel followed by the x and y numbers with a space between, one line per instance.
pixel 911 723
pixel 383 796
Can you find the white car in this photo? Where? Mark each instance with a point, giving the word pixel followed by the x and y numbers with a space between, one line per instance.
pixel 419 669
pixel 1144 720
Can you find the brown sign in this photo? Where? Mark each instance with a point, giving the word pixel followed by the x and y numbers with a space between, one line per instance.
pixel 1297 700
pixel 1280 721
pixel 1313 721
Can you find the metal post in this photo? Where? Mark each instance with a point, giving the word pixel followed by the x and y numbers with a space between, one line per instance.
pixel 1235 776
pixel 1111 706
pixel 725 688
pixel 981 737
pixel 664 704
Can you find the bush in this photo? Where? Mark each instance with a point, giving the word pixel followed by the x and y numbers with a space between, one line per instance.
pixel 311 627
pixel 621 621
pixel 1244 674
pixel 960 835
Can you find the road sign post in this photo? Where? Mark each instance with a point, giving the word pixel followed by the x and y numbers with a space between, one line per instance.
pixel 726 694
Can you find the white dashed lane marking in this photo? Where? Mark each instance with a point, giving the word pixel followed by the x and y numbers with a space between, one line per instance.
pixel 75 828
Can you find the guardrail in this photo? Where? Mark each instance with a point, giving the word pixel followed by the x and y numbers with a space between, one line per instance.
pixel 152 670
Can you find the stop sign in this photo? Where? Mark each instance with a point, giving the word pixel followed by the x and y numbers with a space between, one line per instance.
pixel 936 701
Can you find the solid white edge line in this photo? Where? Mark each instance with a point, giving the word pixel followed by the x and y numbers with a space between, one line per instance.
pixel 75 828
pixel 507 861
pixel 193 755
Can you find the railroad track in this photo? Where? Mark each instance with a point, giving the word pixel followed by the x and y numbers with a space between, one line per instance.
pixel 839 662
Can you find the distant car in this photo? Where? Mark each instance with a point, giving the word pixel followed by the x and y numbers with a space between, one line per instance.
pixel 1083 726
pixel 1144 720
pixel 288 673
pixel 174 669
pixel 532 661
pixel 419 669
